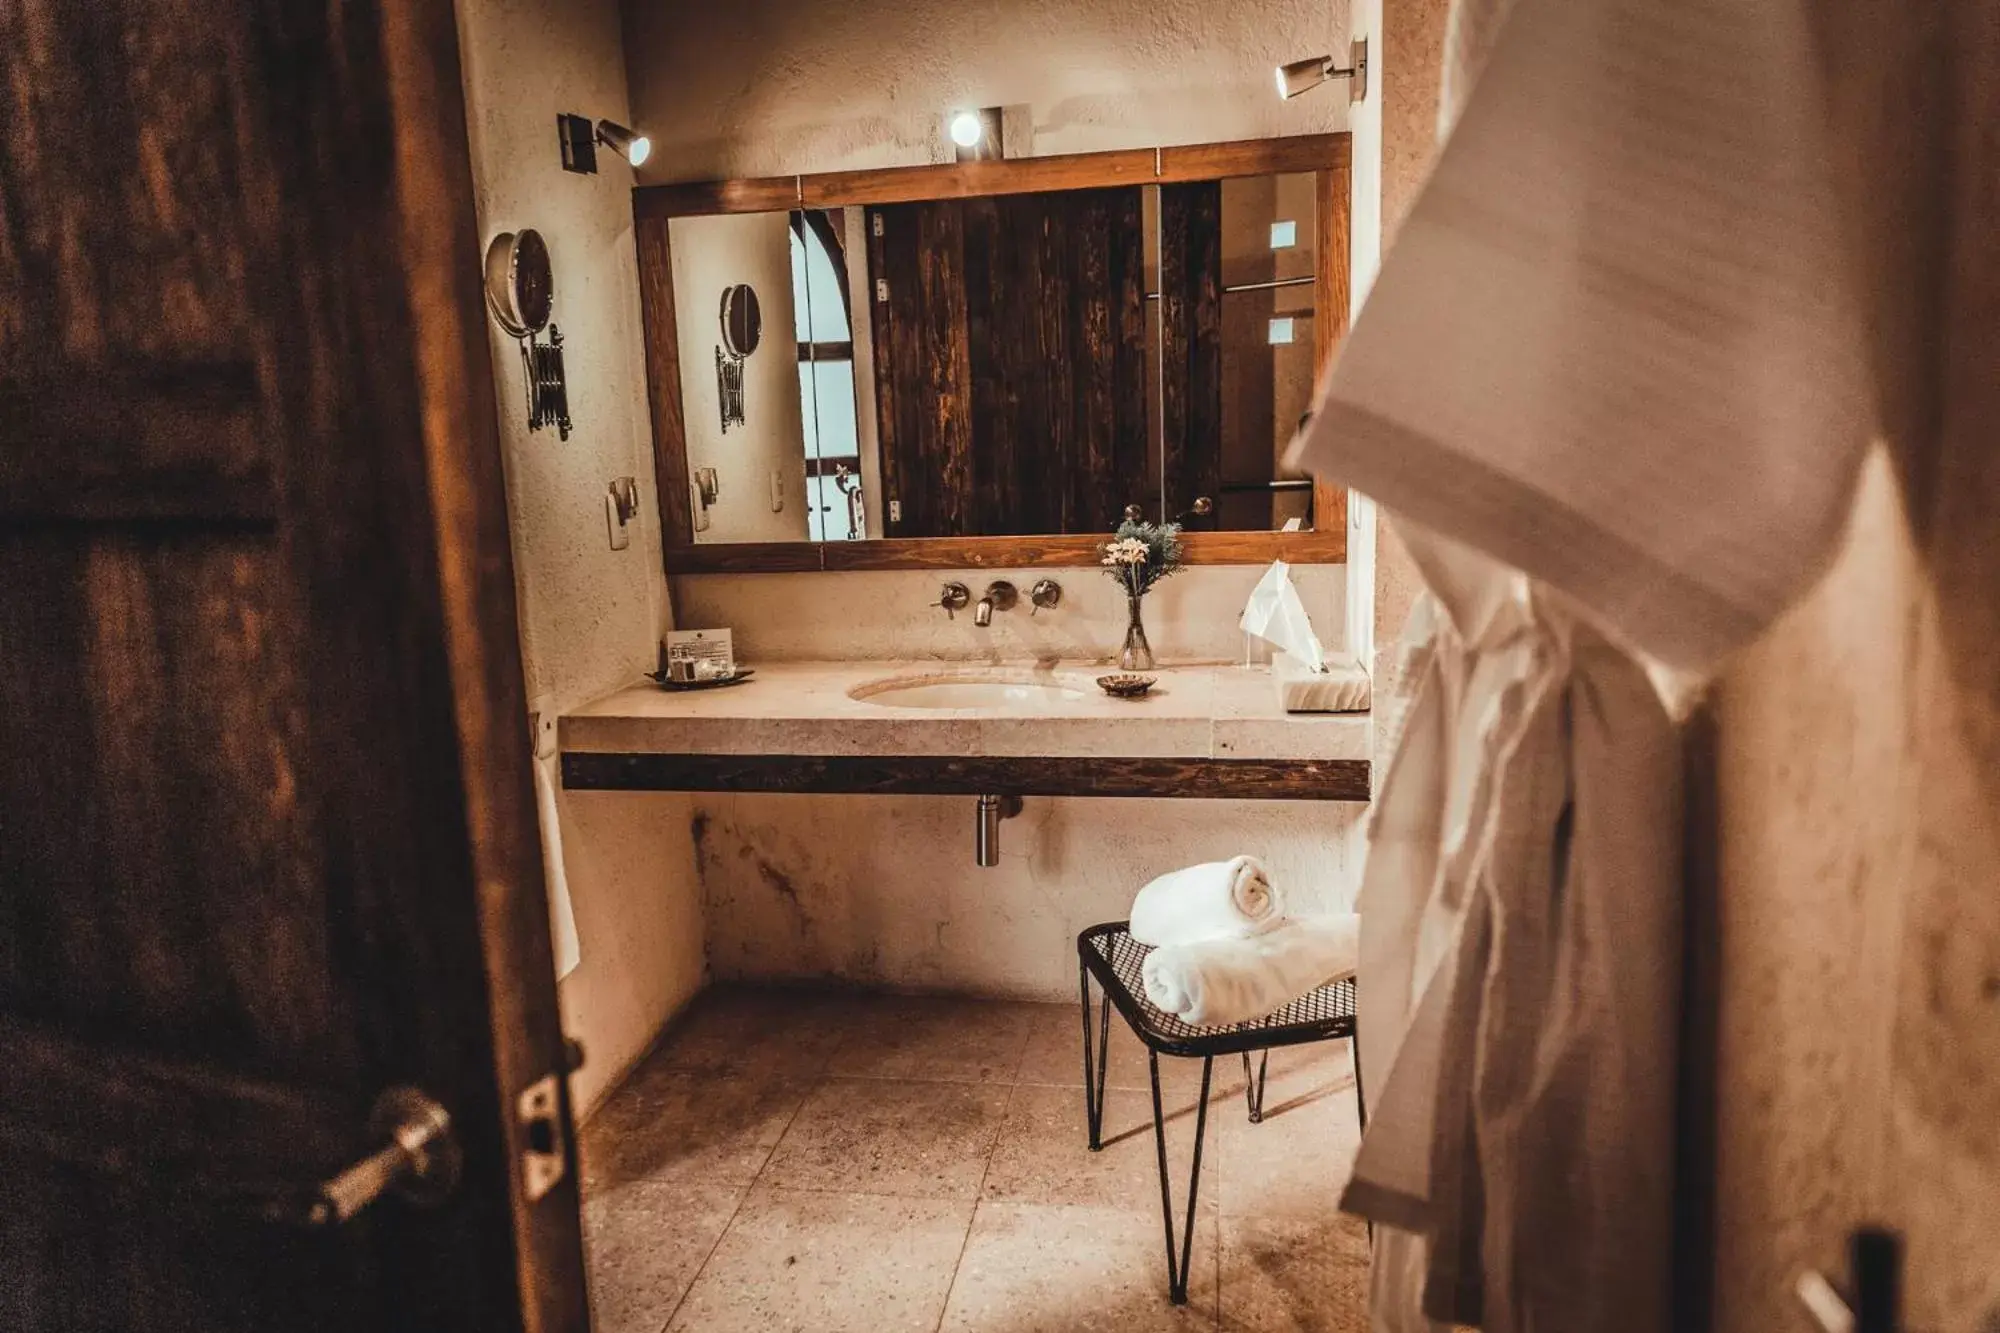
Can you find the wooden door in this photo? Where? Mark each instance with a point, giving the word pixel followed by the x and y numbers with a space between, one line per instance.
pixel 266 820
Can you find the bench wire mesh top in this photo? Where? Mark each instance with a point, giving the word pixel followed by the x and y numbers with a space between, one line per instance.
pixel 1115 959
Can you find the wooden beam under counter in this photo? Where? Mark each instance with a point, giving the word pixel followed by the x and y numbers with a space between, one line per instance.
pixel 960 775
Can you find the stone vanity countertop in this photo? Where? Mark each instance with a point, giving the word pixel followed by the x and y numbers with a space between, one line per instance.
pixel 806 708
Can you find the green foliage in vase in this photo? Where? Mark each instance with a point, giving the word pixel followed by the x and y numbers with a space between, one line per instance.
pixel 1141 554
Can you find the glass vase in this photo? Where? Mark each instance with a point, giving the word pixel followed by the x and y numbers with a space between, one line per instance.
pixel 1138 654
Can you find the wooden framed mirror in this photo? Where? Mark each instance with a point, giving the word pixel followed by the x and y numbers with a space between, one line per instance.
pixel 992 363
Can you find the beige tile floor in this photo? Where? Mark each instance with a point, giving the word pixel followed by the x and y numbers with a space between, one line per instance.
pixel 826 1162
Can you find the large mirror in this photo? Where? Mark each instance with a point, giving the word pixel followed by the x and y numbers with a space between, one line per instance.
pixel 1010 363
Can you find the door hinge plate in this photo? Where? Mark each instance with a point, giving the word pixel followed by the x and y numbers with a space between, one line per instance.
pixel 545 1152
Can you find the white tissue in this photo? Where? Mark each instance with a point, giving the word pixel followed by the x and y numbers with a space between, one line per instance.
pixel 1275 614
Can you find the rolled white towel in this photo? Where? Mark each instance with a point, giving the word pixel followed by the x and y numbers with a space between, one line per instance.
pixel 1214 900
pixel 1212 983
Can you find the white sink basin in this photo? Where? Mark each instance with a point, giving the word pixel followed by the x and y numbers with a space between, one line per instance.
pixel 1023 693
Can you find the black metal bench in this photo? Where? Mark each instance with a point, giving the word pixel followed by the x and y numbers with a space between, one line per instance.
pixel 1110 954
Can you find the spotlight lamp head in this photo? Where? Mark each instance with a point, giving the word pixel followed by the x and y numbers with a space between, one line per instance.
pixel 1302 76
pixel 633 147
pixel 966 131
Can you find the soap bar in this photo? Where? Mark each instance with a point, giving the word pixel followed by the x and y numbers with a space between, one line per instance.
pixel 1343 687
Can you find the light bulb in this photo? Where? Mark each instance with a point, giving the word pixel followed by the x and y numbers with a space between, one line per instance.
pixel 966 129
pixel 639 150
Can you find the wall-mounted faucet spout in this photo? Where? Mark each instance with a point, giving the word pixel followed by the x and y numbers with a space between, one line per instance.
pixel 1000 596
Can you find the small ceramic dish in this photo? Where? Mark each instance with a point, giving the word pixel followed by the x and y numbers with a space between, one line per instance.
pixel 1126 687
pixel 742 674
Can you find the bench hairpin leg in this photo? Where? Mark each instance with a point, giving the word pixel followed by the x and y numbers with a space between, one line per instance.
pixel 1253 1084
pixel 1093 1079
pixel 1360 1098
pixel 1177 1273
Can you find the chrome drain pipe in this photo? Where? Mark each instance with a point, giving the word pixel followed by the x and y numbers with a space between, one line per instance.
pixel 986 827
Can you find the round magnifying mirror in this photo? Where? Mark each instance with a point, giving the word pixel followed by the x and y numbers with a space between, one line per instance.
pixel 742 322
pixel 520 290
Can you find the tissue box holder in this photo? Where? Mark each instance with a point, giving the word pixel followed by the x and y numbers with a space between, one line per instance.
pixel 1343 687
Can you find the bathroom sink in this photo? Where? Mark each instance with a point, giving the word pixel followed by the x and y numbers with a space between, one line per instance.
pixel 1023 693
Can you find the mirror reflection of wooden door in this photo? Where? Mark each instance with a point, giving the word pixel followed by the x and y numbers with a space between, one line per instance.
pixel 1191 349
pixel 267 841
pixel 1010 362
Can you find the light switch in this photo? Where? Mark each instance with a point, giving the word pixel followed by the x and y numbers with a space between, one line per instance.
pixel 621 506
pixel 621 536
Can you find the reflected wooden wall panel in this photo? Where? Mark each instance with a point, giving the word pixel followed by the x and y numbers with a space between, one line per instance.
pixel 1050 233
pixel 944 367
pixel 1126 482
pixel 1191 338
pixel 997 264
pixel 1106 464
pixel 1009 370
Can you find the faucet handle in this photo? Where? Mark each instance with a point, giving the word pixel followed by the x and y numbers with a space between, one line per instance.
pixel 955 597
pixel 1045 594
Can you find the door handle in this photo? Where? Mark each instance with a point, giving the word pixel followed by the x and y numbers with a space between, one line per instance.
pixel 421 1161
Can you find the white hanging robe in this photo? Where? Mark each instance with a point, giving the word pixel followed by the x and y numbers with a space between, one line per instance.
pixel 1612 348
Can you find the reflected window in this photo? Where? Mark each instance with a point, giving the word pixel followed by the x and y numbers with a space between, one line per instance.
pixel 825 332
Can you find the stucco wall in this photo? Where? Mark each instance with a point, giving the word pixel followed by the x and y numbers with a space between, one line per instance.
pixel 1413 40
pixel 880 892
pixel 767 87
pixel 883 890
pixel 894 614
pixel 588 614
pixel 1857 1070
pixel 1857 1058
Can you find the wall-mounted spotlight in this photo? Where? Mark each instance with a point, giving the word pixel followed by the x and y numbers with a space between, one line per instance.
pixel 1305 75
pixel 628 144
pixel 580 138
pixel 975 135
